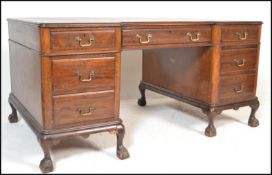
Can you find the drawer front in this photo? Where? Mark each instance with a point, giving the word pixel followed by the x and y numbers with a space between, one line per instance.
pixel 241 33
pixel 83 75
pixel 236 88
pixel 155 36
pixel 80 109
pixel 81 40
pixel 238 60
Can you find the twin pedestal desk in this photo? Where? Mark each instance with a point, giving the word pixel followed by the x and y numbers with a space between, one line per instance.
pixel 65 73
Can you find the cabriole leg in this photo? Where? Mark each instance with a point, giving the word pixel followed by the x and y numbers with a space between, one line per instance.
pixel 210 131
pixel 252 121
pixel 46 164
pixel 142 101
pixel 13 118
pixel 122 152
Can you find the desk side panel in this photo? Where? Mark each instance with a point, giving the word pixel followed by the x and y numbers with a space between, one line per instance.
pixel 26 34
pixel 25 70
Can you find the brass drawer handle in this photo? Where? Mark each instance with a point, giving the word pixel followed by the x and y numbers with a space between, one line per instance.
pixel 149 36
pixel 191 36
pixel 240 89
pixel 91 109
pixel 240 35
pixel 91 76
pixel 91 41
pixel 239 63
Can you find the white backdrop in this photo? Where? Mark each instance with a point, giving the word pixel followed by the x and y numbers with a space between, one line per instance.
pixel 131 65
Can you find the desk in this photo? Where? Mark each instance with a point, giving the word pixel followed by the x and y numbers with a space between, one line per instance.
pixel 65 73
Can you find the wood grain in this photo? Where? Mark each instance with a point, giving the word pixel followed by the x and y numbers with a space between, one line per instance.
pixel 229 34
pixel 46 92
pixel 66 108
pixel 25 70
pixel 258 57
pixel 230 83
pixel 185 71
pixel 25 34
pixel 215 63
pixel 232 58
pixel 162 36
pixel 66 79
pixel 104 39
pixel 117 85
pixel 63 41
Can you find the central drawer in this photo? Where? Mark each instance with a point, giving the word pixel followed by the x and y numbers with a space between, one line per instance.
pixel 81 74
pixel 83 109
pixel 158 36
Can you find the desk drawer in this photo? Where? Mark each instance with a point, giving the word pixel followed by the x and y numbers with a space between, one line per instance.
pixel 238 60
pixel 83 74
pixel 237 87
pixel 83 40
pixel 156 36
pixel 241 34
pixel 80 109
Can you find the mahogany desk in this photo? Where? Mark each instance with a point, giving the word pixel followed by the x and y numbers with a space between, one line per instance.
pixel 65 73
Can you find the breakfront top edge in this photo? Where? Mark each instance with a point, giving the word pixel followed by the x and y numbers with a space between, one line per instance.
pixel 96 22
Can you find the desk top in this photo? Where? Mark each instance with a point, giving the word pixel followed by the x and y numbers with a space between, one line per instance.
pixel 85 22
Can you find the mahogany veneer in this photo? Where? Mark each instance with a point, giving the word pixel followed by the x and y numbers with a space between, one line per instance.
pixel 65 73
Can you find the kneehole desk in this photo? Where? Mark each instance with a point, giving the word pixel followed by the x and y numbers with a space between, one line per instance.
pixel 65 73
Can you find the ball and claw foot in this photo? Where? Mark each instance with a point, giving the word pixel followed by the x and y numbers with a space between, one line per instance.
pixel 141 102
pixel 13 118
pixel 253 122
pixel 122 153
pixel 46 165
pixel 210 131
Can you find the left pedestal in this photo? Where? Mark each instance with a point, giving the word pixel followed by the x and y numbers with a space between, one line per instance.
pixel 47 140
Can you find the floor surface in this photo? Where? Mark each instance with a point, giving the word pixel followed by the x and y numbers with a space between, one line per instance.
pixel 166 136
